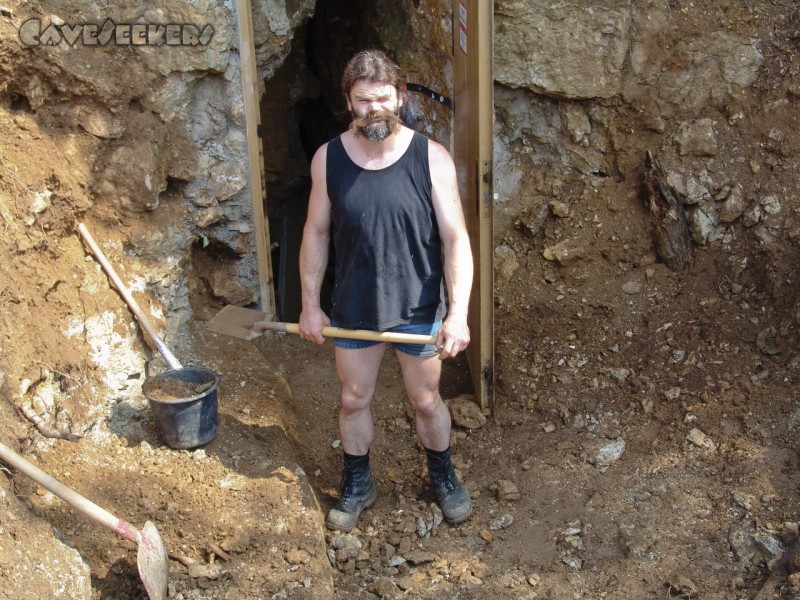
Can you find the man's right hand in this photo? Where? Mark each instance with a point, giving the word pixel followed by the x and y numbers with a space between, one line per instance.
pixel 311 323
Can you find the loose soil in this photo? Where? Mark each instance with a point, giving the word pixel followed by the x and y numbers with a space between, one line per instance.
pixel 171 389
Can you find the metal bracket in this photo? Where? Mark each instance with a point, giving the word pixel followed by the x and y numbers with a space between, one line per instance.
pixel 421 89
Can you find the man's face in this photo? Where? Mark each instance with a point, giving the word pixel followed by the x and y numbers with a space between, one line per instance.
pixel 375 108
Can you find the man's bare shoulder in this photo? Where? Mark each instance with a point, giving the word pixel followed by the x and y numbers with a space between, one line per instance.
pixel 319 159
pixel 438 155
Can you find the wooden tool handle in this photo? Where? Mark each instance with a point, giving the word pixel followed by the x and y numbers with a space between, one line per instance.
pixel 352 334
pixel 129 299
pixel 68 495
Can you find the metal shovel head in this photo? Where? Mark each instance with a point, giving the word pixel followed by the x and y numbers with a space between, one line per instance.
pixel 237 321
pixel 152 560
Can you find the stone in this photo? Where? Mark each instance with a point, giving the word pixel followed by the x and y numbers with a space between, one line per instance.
pixel 101 123
pixel 420 557
pixel 733 207
pixel 770 204
pixel 607 454
pixel 559 209
pixel 507 491
pixel 561 49
pixel 228 179
pixel 502 522
pixel 226 287
pixel 575 121
pixel 348 544
pixel 633 287
pixel 505 263
pixel 567 252
pixel 298 557
pixel 703 221
pixel 701 440
pixel 132 178
pixel 466 413
pixel 697 138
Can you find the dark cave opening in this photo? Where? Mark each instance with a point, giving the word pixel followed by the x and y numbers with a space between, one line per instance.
pixel 301 109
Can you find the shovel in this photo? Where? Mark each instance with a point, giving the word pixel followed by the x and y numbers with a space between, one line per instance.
pixel 152 556
pixel 248 324
pixel 185 422
pixel 129 299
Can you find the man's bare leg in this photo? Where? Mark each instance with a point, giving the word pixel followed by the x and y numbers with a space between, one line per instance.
pixel 358 376
pixel 432 418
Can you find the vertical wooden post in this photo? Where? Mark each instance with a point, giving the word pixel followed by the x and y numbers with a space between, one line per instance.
pixel 473 84
pixel 255 154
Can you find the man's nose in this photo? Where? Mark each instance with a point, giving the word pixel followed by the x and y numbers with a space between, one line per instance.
pixel 376 105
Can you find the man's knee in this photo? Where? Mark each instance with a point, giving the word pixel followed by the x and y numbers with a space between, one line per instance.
pixel 354 401
pixel 428 404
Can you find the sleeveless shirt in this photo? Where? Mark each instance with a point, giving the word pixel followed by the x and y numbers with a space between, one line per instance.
pixel 388 257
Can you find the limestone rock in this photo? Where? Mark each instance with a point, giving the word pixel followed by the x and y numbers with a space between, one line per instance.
pixel 565 252
pixel 607 454
pixel 697 138
pixel 507 491
pixel 701 440
pixel 562 49
pixel 703 220
pixel 466 413
pixel 133 177
pixel 101 123
pixel 225 285
pixel 505 263
pixel 733 207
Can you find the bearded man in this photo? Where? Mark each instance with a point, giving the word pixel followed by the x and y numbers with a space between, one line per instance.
pixel 388 197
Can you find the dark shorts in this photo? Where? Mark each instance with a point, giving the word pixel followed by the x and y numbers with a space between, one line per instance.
pixel 412 349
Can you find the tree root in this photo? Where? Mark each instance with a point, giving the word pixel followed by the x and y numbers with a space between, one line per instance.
pixel 45 429
pixel 780 570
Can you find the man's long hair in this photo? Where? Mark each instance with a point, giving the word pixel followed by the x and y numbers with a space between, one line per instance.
pixel 375 66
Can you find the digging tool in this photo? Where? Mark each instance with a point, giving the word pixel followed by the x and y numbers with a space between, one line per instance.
pixel 353 334
pixel 248 324
pixel 181 422
pixel 129 299
pixel 152 556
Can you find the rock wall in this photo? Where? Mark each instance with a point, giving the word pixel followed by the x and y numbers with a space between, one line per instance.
pixel 584 90
pixel 163 124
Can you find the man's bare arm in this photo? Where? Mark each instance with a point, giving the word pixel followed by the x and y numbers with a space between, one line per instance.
pixel 314 251
pixel 454 334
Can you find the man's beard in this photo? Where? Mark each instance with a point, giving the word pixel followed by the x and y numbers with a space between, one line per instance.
pixel 375 126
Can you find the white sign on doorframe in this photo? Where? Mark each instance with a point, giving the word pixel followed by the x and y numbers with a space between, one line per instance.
pixel 462 25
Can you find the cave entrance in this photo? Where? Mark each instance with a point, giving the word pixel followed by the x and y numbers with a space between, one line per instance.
pixel 301 108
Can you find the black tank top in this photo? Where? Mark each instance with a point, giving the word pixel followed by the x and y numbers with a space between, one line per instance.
pixel 386 239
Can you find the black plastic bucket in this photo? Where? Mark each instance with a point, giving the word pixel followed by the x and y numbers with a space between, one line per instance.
pixel 184 422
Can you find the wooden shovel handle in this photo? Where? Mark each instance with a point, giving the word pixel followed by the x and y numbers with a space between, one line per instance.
pixel 172 361
pixel 70 496
pixel 352 334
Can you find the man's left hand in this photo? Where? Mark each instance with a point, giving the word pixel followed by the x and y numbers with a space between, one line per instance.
pixel 452 337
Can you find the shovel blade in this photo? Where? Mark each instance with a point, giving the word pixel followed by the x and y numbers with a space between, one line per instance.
pixel 237 321
pixel 152 560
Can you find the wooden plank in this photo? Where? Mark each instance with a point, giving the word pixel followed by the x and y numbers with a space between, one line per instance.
pixel 255 153
pixel 474 115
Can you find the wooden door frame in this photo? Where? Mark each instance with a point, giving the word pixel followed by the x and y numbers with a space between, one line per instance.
pixel 255 154
pixel 473 85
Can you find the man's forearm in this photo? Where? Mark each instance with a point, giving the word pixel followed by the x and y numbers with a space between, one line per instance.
pixel 313 262
pixel 458 276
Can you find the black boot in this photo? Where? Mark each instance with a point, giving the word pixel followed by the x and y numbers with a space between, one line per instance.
pixel 453 499
pixel 357 492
